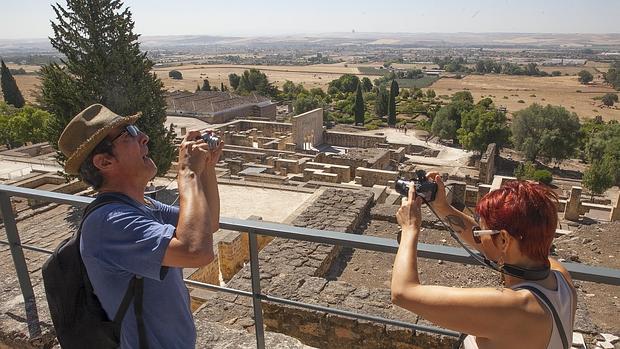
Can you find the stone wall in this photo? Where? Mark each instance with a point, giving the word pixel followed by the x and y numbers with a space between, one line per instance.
pixel 343 172
pixel 487 164
pixel 356 157
pixel 352 140
pixel 370 177
pixel 268 128
pixel 308 128
pixel 234 251
pixel 209 274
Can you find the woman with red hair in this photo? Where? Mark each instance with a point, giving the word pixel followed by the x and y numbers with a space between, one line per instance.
pixel 513 229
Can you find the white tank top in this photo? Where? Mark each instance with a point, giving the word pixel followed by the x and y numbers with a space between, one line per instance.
pixel 562 300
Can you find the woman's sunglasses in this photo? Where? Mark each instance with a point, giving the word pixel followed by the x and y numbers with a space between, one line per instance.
pixel 131 129
pixel 477 233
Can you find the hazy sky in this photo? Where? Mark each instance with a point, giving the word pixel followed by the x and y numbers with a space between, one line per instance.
pixel 30 18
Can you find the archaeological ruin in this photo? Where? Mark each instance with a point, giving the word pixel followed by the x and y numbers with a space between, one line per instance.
pixel 301 174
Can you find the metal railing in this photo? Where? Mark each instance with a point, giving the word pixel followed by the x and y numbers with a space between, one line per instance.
pixel 451 254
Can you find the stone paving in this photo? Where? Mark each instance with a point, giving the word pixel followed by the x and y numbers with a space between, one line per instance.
pixel 296 270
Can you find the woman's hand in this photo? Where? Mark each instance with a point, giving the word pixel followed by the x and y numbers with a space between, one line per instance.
pixel 409 215
pixel 440 204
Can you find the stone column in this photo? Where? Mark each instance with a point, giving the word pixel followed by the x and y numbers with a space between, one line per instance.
pixel 458 194
pixel 615 211
pixel 572 205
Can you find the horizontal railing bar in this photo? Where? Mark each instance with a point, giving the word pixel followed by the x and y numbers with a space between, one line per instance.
pixel 451 254
pixel 29 247
pixel 218 288
pixel 44 195
pixel 268 298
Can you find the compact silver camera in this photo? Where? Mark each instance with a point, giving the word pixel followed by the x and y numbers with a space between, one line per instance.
pixel 212 140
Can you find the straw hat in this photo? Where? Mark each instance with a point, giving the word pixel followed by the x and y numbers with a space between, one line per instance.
pixel 85 131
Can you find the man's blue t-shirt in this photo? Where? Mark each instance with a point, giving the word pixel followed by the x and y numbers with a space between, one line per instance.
pixel 120 240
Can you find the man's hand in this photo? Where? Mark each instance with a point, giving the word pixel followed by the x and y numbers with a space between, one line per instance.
pixel 214 155
pixel 409 215
pixel 193 155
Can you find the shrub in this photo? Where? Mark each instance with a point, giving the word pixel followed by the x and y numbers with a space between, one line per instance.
pixel 175 74
pixel 520 101
pixel 542 176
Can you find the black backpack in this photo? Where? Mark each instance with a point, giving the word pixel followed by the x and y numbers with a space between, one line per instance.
pixel 77 314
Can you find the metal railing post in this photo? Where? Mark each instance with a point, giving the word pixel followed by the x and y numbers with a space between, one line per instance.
pixel 32 316
pixel 255 274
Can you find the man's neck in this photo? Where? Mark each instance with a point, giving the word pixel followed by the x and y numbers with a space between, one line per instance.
pixel 132 191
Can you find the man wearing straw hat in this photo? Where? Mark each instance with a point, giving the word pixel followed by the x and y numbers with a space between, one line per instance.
pixel 135 237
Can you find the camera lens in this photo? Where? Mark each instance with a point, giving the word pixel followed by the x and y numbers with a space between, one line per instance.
pixel 402 186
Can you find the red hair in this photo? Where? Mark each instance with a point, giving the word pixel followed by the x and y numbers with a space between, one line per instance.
pixel 527 211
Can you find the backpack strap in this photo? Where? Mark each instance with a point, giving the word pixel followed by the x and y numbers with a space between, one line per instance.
pixel 135 289
pixel 556 317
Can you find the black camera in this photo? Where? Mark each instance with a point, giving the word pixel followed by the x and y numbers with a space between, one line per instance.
pixel 423 187
pixel 212 140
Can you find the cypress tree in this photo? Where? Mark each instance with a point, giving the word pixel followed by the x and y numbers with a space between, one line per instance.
pixel 205 85
pixel 358 107
pixel 103 64
pixel 392 104
pixel 11 92
pixel 381 102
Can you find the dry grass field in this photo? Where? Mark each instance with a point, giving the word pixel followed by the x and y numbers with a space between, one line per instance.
pixel 508 90
pixel 310 76
pixel 27 83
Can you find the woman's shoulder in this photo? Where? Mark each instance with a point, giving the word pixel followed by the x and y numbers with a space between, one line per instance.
pixel 558 267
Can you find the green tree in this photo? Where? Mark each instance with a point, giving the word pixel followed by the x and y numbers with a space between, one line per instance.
pixel 254 80
pixel 430 93
pixel 381 102
pixel 11 92
pixel 525 170
pixel 444 126
pixel 481 127
pixel 609 99
pixel 205 85
pixel 604 144
pixel 366 84
pixel 452 112
pixel 598 177
pixel 234 79
pixel 395 87
pixel 359 109
pixel 21 125
pixel 585 76
pixel 550 132
pixel 613 75
pixel 175 74
pixel 392 104
pixel 346 83
pixel 103 64
pixel 464 96
pixel 291 91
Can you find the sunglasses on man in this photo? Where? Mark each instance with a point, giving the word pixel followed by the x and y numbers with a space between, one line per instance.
pixel 131 129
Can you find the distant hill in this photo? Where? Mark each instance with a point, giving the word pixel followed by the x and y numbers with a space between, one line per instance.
pixel 505 40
